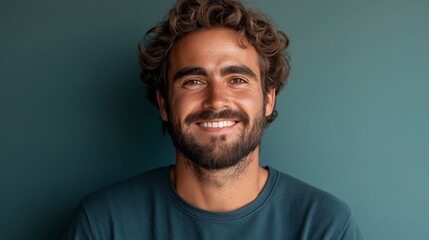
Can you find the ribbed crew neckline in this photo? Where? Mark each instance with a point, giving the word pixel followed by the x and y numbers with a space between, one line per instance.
pixel 209 216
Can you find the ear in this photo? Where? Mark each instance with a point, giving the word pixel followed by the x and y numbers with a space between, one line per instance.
pixel 271 102
pixel 161 105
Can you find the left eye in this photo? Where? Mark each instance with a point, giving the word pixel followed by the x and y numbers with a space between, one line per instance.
pixel 237 81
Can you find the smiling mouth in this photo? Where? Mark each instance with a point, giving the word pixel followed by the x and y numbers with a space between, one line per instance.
pixel 217 124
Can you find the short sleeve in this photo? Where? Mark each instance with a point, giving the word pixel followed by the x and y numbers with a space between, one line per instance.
pixel 352 231
pixel 78 228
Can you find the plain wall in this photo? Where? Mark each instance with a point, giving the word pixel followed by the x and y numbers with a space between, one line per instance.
pixel 353 119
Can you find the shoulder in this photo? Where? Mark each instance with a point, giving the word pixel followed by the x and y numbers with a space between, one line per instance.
pixel 140 188
pixel 311 206
pixel 300 193
pixel 114 210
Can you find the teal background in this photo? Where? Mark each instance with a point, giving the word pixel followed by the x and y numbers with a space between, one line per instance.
pixel 353 117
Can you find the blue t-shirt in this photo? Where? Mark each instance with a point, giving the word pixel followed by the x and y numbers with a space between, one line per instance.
pixel 148 207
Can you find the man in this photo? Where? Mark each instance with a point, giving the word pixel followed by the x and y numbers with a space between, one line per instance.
pixel 213 68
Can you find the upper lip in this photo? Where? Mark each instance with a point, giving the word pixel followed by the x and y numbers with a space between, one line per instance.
pixel 217 120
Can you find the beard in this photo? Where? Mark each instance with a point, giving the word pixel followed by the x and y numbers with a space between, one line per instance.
pixel 220 152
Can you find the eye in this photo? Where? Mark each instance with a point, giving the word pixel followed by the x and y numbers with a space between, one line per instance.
pixel 237 81
pixel 192 83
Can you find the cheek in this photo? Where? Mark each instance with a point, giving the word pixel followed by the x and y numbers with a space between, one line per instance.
pixel 252 100
pixel 181 106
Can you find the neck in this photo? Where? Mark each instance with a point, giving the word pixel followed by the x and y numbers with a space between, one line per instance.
pixel 219 190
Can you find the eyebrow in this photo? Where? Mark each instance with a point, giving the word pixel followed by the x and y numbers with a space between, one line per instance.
pixel 238 70
pixel 189 71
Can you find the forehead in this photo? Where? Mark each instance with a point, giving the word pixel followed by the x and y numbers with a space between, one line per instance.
pixel 213 49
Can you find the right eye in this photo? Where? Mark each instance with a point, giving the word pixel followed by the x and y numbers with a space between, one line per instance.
pixel 192 82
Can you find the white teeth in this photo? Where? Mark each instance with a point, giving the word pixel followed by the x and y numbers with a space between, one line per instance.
pixel 220 124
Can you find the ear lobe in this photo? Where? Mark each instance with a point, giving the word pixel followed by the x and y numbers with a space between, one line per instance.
pixel 271 102
pixel 161 106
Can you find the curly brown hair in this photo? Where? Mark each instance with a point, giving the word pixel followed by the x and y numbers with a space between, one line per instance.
pixel 188 16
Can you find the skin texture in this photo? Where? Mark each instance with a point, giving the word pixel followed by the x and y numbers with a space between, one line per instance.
pixel 211 70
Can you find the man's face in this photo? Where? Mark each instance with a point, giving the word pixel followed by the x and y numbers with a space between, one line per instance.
pixel 215 107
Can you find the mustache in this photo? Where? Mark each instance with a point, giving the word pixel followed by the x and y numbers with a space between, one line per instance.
pixel 207 115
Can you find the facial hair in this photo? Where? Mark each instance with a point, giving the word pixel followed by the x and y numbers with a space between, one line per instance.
pixel 220 152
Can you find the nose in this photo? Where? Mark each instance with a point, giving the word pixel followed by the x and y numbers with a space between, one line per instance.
pixel 216 96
